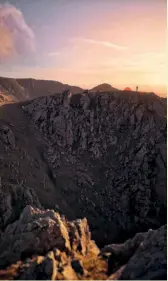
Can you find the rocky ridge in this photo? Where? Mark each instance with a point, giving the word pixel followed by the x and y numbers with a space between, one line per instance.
pixel 108 151
pixel 96 155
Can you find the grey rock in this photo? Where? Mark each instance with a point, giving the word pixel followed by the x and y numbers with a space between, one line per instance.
pixel 7 136
pixel 141 258
pixel 13 199
pixel 38 231
pixel 118 145
pixel 150 260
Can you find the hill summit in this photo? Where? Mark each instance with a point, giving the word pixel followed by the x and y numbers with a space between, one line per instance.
pixel 104 88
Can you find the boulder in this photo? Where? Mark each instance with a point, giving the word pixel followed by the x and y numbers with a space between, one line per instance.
pixel 37 231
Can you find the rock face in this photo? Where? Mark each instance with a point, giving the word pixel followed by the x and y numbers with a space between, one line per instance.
pixel 44 245
pixel 149 261
pixel 21 160
pixel 96 155
pixel 38 231
pixel 107 155
pixel 144 257
pixel 13 199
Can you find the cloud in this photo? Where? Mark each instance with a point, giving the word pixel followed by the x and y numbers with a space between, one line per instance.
pixel 106 44
pixel 16 36
pixel 54 54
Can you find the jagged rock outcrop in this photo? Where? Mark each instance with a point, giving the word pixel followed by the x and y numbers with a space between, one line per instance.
pixel 44 245
pixel 142 258
pixel 119 254
pixel 38 231
pixel 107 155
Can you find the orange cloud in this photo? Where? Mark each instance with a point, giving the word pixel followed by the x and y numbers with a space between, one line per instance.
pixel 7 47
pixel 16 36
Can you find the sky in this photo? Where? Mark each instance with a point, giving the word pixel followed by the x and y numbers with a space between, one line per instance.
pixel 85 42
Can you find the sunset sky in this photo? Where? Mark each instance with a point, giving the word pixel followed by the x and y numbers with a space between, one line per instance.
pixel 85 42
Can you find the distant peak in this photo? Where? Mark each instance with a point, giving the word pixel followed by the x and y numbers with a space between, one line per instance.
pixel 104 87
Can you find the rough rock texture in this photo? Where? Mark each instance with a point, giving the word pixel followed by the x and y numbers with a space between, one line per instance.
pixel 150 260
pixel 144 257
pixel 7 136
pixel 43 245
pixel 21 159
pixel 119 254
pixel 107 155
pixel 13 199
pixel 38 231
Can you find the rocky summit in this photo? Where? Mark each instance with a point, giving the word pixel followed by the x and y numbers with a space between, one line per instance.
pixel 82 185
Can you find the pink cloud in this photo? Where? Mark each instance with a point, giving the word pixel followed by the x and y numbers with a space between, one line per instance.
pixel 102 43
pixel 16 36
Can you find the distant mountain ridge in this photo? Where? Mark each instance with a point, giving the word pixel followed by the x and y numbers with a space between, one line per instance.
pixel 104 88
pixel 22 89
pixel 37 88
pixel 12 89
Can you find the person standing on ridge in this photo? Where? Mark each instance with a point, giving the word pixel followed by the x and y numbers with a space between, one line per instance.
pixel 136 88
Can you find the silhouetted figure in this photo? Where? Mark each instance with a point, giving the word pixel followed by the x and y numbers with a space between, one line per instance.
pixel 136 88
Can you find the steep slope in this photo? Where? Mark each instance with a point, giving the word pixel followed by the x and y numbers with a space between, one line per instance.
pixel 104 88
pixel 6 98
pixel 22 165
pixel 11 90
pixel 107 155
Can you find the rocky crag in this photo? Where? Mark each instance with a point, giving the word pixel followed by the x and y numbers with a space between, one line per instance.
pixel 100 156
pixel 43 245
pixel 107 156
